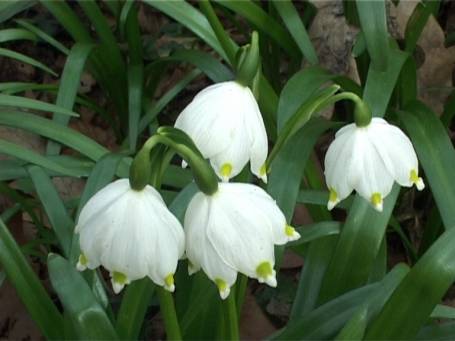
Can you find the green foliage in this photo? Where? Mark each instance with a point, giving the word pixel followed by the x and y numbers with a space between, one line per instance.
pixel 345 291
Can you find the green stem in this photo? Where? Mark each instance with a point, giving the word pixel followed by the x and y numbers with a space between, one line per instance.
pixel 220 33
pixel 362 113
pixel 230 316
pixel 362 117
pixel 167 308
pixel 177 140
pixel 242 282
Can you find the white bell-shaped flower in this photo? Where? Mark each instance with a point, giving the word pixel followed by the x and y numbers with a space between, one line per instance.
pixel 235 230
pixel 226 125
pixel 369 159
pixel 130 233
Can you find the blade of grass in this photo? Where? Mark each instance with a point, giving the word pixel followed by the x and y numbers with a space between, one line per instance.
pixel 373 22
pixel 26 154
pixel 327 320
pixel 9 9
pixel 25 59
pixel 61 222
pixel 294 24
pixel 28 286
pixel 69 85
pixel 418 294
pixel 24 102
pixel 436 155
pixel 135 75
pixel 260 19
pixel 191 18
pixel 43 35
pixel 417 21
pixel 11 34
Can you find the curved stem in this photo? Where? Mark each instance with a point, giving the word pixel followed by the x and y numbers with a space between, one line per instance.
pixel 177 140
pixel 167 308
pixel 230 316
pixel 362 117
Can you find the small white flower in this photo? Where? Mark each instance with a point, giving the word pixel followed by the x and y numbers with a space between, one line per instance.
pixel 369 159
pixel 130 233
pixel 235 230
pixel 226 125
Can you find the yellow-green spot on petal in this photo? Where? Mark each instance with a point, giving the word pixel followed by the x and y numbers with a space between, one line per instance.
pixel 169 280
pixel 414 177
pixel 119 278
pixel 264 270
pixel 333 195
pixel 376 199
pixel 226 170
pixel 263 170
pixel 83 260
pixel 221 284
pixel 289 230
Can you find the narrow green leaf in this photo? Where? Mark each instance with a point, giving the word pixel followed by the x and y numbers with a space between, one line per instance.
pixel 443 331
pixel 418 294
pixel 300 87
pixel 9 9
pixel 25 59
pixel 372 16
pixel 61 222
pixel 87 316
pixel 294 24
pixel 11 34
pixel 155 109
pixel 443 312
pixel 69 85
pixel 134 306
pixel 417 21
pixel 24 102
pixel 43 35
pixel 436 155
pixel 320 197
pixel 355 328
pixel 135 71
pixel 29 287
pixel 357 247
pixel 55 131
pixel 266 24
pixel 291 160
pixel 204 61
pixel 26 154
pixel 327 320
pixel 191 18
pixel 315 231
pixel 379 86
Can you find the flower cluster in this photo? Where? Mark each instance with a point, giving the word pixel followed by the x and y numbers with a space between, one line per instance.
pixel 234 227
pixel 132 234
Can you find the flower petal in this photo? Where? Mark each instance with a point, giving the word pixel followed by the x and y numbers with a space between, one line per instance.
pixel 396 151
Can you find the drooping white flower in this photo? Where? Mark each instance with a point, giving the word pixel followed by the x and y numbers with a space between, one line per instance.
pixel 235 230
pixel 130 233
pixel 369 159
pixel 226 125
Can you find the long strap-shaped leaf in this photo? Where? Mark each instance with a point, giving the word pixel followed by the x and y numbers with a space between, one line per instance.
pixel 436 154
pixel 325 321
pixel 88 317
pixel 61 222
pixel 417 295
pixel 29 287
pixel 69 85
pixel 372 15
